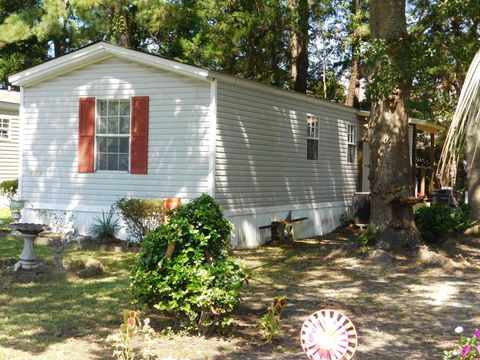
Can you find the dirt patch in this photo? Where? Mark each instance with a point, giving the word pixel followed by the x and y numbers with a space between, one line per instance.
pixel 407 309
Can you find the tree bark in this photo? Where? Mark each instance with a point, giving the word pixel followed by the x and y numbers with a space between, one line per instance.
pixel 352 94
pixel 299 17
pixel 473 167
pixel 390 171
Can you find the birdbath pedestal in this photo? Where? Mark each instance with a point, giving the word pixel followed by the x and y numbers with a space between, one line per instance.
pixel 28 232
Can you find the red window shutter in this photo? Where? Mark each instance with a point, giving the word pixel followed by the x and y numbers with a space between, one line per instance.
pixel 139 147
pixel 86 135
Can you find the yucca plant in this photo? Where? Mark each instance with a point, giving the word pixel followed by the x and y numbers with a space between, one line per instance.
pixel 106 226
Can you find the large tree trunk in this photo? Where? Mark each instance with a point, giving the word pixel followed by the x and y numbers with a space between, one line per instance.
pixel 299 15
pixel 352 94
pixel 390 170
pixel 473 165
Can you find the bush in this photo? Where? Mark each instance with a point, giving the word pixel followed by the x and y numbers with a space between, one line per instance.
pixel 184 268
pixel 368 237
pixel 436 221
pixel 269 323
pixel 467 347
pixel 140 215
pixel 105 227
pixel 9 188
pixel 125 342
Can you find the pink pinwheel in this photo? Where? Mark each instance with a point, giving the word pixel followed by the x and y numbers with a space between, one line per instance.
pixel 328 335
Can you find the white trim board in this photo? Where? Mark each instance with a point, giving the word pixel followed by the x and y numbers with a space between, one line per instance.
pixel 239 212
pixel 213 137
pixel 20 142
pixel 95 53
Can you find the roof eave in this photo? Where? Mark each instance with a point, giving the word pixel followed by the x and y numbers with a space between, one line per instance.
pixel 95 53
pixel 423 125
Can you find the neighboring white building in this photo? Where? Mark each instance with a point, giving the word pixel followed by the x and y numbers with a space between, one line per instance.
pixel 106 122
pixel 9 134
pixel 9 137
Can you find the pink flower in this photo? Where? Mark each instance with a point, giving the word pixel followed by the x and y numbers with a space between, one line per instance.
pixel 478 348
pixel 465 350
pixel 131 323
pixel 477 333
pixel 146 322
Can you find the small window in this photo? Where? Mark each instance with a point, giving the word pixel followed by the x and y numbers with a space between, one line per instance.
pixel 4 129
pixel 351 143
pixel 312 138
pixel 112 133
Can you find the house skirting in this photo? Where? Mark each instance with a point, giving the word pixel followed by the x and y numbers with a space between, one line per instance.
pixel 322 219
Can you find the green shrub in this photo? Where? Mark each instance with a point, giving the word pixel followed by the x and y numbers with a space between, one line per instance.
pixel 269 323
pixel 125 342
pixel 140 215
pixel 9 188
pixel 436 221
pixel 462 218
pixel 76 264
pixel 105 227
pixel 184 268
pixel 368 237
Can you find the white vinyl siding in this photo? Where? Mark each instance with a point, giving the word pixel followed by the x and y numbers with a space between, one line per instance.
pixel 260 154
pixel 9 155
pixel 178 144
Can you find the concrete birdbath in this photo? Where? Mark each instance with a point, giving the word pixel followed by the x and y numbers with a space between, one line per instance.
pixel 28 232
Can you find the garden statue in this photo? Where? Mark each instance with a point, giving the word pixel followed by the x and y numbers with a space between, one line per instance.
pixel 58 246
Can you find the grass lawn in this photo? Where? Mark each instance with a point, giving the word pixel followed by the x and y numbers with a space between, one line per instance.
pixel 5 218
pixel 408 311
pixel 48 317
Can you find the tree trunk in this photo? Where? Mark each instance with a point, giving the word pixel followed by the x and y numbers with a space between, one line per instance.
pixel 390 171
pixel 352 94
pixel 299 17
pixel 473 167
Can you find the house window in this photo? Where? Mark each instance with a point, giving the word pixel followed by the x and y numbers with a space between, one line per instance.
pixel 4 129
pixel 351 143
pixel 312 138
pixel 112 133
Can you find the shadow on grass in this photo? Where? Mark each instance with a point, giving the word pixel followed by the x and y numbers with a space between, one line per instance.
pixel 409 312
pixel 36 315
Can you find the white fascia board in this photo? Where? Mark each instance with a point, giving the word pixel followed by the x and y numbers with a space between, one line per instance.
pixel 59 66
pixel 422 124
pixel 98 52
pixel 255 85
pixel 20 143
pixel 212 137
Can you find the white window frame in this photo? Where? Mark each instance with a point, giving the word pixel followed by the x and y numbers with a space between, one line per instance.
pixel 7 129
pixel 114 135
pixel 312 119
pixel 351 141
